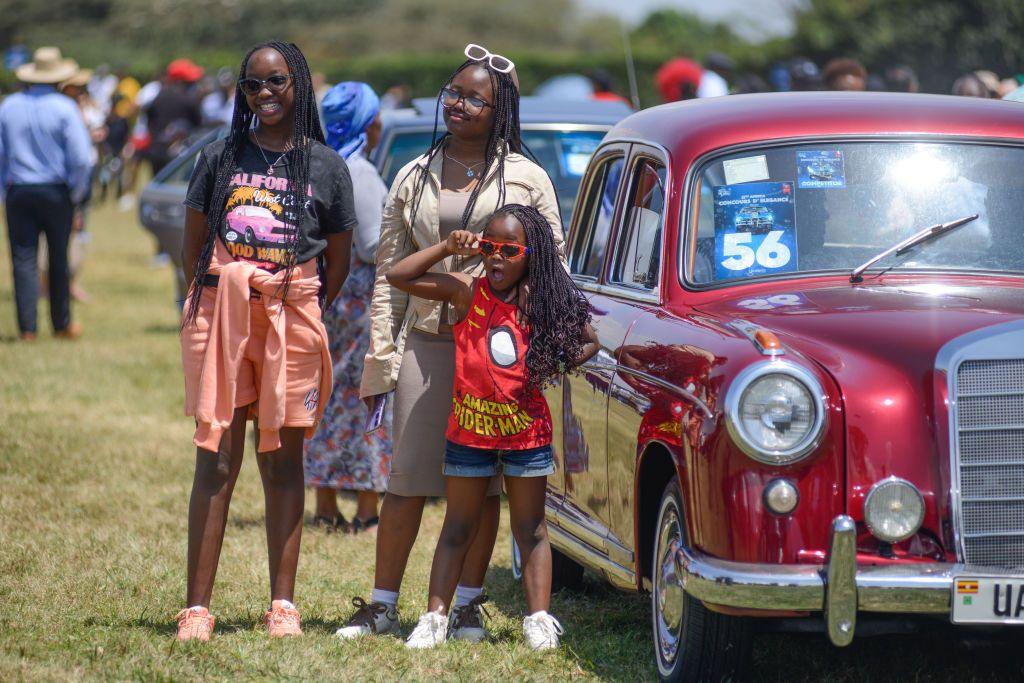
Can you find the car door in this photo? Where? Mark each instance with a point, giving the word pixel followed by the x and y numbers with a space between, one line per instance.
pixel 634 278
pixel 579 404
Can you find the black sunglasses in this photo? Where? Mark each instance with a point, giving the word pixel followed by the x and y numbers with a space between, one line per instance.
pixel 275 84
pixel 472 105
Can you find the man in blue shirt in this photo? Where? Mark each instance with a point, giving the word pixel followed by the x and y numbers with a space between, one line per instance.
pixel 45 170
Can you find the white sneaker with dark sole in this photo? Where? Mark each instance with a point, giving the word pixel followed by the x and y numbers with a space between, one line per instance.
pixel 431 630
pixel 541 631
pixel 371 618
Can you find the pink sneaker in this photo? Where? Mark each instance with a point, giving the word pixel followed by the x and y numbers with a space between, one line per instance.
pixel 282 619
pixel 195 623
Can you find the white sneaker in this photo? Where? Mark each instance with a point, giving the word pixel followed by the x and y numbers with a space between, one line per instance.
pixel 370 618
pixel 467 623
pixel 542 631
pixel 430 631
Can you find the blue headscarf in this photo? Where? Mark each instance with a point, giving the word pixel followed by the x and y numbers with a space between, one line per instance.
pixel 348 109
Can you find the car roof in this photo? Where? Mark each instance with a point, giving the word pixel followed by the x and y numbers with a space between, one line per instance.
pixel 694 127
pixel 532 110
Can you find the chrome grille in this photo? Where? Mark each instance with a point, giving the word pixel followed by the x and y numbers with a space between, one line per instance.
pixel 990 432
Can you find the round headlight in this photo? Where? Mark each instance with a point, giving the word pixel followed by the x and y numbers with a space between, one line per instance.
pixel 893 510
pixel 775 412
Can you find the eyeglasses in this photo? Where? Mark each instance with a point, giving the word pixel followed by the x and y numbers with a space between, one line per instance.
pixel 275 84
pixel 508 250
pixel 472 105
pixel 478 53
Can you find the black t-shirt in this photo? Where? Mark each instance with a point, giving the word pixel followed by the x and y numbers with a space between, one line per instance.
pixel 260 218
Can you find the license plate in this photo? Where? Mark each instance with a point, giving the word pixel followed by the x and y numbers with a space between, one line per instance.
pixel 988 600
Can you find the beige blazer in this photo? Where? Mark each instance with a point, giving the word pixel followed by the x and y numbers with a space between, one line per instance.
pixel 393 312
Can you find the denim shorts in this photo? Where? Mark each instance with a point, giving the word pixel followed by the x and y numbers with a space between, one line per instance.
pixel 466 461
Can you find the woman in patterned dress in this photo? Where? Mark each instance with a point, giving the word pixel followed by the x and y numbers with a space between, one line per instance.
pixel 341 456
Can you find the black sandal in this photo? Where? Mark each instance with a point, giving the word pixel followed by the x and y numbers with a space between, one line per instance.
pixel 359 526
pixel 336 523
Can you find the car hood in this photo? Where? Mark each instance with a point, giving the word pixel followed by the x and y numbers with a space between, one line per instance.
pixel 880 342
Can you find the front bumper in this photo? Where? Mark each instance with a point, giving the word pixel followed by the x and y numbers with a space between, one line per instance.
pixel 839 587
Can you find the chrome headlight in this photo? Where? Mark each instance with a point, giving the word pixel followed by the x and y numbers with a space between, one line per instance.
pixel 775 412
pixel 893 510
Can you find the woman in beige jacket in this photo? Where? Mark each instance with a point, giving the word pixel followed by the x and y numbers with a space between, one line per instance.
pixel 471 171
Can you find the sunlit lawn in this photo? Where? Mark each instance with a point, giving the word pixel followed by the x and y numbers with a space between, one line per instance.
pixel 95 470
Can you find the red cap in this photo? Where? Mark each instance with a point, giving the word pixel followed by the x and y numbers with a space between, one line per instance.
pixel 676 73
pixel 184 70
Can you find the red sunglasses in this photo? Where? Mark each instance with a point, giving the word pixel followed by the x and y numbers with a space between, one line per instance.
pixel 509 250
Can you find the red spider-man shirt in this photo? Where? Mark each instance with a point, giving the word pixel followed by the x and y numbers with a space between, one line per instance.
pixel 491 405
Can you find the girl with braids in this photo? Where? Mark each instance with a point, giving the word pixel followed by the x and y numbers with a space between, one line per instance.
pixel 476 167
pixel 267 236
pixel 511 341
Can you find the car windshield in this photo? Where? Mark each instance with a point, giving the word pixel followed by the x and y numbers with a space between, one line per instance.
pixel 563 154
pixel 792 209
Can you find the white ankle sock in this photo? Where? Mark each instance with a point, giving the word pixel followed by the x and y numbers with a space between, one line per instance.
pixel 465 594
pixel 389 598
pixel 287 604
pixel 196 608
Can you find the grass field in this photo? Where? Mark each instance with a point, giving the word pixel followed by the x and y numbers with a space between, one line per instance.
pixel 95 470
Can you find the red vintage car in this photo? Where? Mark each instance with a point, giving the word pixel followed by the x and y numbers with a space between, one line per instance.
pixel 816 418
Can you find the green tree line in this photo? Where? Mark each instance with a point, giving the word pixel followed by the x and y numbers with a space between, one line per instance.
pixel 390 41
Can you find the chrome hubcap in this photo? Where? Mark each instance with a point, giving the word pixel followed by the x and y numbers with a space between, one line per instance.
pixel 669 594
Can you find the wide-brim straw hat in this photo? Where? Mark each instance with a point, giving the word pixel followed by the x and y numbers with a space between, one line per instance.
pixel 80 79
pixel 47 66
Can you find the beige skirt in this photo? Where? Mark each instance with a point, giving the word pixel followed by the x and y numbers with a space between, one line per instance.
pixel 423 399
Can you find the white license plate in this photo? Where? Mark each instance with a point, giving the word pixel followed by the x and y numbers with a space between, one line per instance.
pixel 988 600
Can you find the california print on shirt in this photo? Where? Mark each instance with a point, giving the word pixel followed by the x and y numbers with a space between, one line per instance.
pixel 259 221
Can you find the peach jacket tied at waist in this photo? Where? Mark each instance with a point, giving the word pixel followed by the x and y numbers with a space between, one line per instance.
pixel 214 404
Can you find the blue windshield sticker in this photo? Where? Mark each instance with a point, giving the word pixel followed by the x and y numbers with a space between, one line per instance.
pixel 755 230
pixel 820 169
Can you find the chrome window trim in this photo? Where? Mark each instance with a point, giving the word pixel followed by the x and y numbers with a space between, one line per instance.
pixel 606 153
pixel 639 152
pixel 690 179
pixel 769 367
pixel 985 341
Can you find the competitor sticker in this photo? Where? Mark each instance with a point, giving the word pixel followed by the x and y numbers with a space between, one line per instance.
pixel 745 170
pixel 755 230
pixel 820 169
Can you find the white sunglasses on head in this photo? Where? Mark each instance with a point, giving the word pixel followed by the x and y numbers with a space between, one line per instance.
pixel 478 53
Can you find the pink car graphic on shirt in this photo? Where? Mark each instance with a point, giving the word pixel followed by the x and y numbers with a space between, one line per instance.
pixel 256 223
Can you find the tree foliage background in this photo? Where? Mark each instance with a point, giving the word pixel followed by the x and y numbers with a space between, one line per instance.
pixel 419 42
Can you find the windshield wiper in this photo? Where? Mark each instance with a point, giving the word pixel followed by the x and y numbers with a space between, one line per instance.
pixel 931 232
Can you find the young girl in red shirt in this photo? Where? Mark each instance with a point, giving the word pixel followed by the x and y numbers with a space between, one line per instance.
pixel 521 326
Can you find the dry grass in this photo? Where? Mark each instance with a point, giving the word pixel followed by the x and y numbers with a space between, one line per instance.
pixel 95 469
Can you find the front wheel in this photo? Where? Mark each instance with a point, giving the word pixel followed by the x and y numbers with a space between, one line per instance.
pixel 691 643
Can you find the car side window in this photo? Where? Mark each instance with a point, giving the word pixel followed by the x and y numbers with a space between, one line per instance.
pixel 182 174
pixel 597 209
pixel 638 251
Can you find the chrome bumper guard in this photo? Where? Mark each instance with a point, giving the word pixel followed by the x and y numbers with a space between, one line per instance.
pixel 839 588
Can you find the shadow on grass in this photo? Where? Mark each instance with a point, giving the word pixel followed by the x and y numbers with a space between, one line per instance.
pixel 168 627
pixel 939 652
pixel 162 329
pixel 606 630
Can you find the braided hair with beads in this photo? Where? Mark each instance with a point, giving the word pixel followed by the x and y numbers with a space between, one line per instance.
pixel 556 310
pixel 306 130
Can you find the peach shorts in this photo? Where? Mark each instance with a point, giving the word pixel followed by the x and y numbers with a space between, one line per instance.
pixel 304 360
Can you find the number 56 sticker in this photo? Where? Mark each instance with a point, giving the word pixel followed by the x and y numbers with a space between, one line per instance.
pixel 754 231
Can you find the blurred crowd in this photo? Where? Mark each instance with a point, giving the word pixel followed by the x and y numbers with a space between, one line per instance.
pixel 682 78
